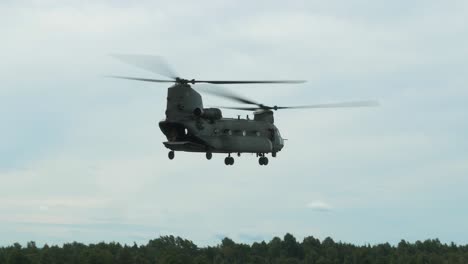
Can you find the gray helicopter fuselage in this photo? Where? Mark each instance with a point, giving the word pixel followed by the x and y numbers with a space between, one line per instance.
pixel 191 127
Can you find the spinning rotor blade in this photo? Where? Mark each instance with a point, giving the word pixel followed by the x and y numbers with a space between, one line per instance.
pixel 239 108
pixel 332 105
pixel 179 80
pixel 151 63
pixel 225 93
pixel 250 82
pixel 141 79
pixel 159 65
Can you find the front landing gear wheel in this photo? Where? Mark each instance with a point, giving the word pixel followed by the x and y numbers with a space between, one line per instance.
pixel 263 161
pixel 209 155
pixel 229 161
pixel 171 155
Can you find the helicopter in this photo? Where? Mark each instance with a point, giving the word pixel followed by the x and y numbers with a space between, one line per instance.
pixel 190 127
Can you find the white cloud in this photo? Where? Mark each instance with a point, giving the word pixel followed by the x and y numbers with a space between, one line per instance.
pixel 320 206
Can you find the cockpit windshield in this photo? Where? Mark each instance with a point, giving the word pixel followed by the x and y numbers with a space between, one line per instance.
pixel 278 133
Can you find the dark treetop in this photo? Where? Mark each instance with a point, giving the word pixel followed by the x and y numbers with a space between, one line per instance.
pixel 170 249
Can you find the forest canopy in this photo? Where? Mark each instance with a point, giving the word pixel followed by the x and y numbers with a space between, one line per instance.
pixel 170 249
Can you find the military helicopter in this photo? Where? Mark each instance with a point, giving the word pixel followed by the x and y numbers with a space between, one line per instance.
pixel 191 127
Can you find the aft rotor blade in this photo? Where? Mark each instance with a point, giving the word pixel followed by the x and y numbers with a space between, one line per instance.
pixel 239 108
pixel 250 82
pixel 156 64
pixel 225 93
pixel 370 103
pixel 141 79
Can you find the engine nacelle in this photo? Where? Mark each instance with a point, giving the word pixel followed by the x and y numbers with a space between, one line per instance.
pixel 208 113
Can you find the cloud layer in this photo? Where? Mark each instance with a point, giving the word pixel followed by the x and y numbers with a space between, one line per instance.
pixel 81 156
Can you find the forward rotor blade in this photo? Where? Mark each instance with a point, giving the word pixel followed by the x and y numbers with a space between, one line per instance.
pixel 150 63
pixel 225 93
pixel 370 103
pixel 250 82
pixel 141 79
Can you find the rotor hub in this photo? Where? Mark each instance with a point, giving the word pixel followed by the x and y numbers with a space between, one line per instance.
pixel 184 81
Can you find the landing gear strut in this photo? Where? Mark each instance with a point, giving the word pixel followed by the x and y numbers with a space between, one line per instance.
pixel 229 160
pixel 171 155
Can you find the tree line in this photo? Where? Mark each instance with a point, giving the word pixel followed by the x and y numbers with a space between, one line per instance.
pixel 170 249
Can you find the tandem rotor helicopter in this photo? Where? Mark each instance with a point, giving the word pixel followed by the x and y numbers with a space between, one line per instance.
pixel 191 127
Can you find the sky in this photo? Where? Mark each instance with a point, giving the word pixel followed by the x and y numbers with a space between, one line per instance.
pixel 82 159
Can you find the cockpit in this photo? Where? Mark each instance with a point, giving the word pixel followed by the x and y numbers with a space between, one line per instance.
pixel 276 138
pixel 279 138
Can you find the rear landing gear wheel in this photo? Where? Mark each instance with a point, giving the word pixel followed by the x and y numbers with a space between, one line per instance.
pixel 171 155
pixel 209 155
pixel 229 161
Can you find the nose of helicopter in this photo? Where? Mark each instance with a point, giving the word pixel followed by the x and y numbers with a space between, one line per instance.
pixel 280 141
pixel 280 144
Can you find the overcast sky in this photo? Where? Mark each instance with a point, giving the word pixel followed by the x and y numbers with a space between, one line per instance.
pixel 81 156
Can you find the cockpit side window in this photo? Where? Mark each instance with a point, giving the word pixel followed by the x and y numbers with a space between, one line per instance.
pixel 271 134
pixel 280 139
pixel 278 133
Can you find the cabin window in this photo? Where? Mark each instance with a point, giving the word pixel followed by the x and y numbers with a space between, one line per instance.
pixel 257 133
pixel 228 132
pixel 216 131
pixel 244 133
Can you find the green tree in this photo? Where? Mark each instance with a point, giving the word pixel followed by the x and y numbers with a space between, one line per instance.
pixel 274 248
pixel 290 247
pixel 124 256
pixel 17 257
